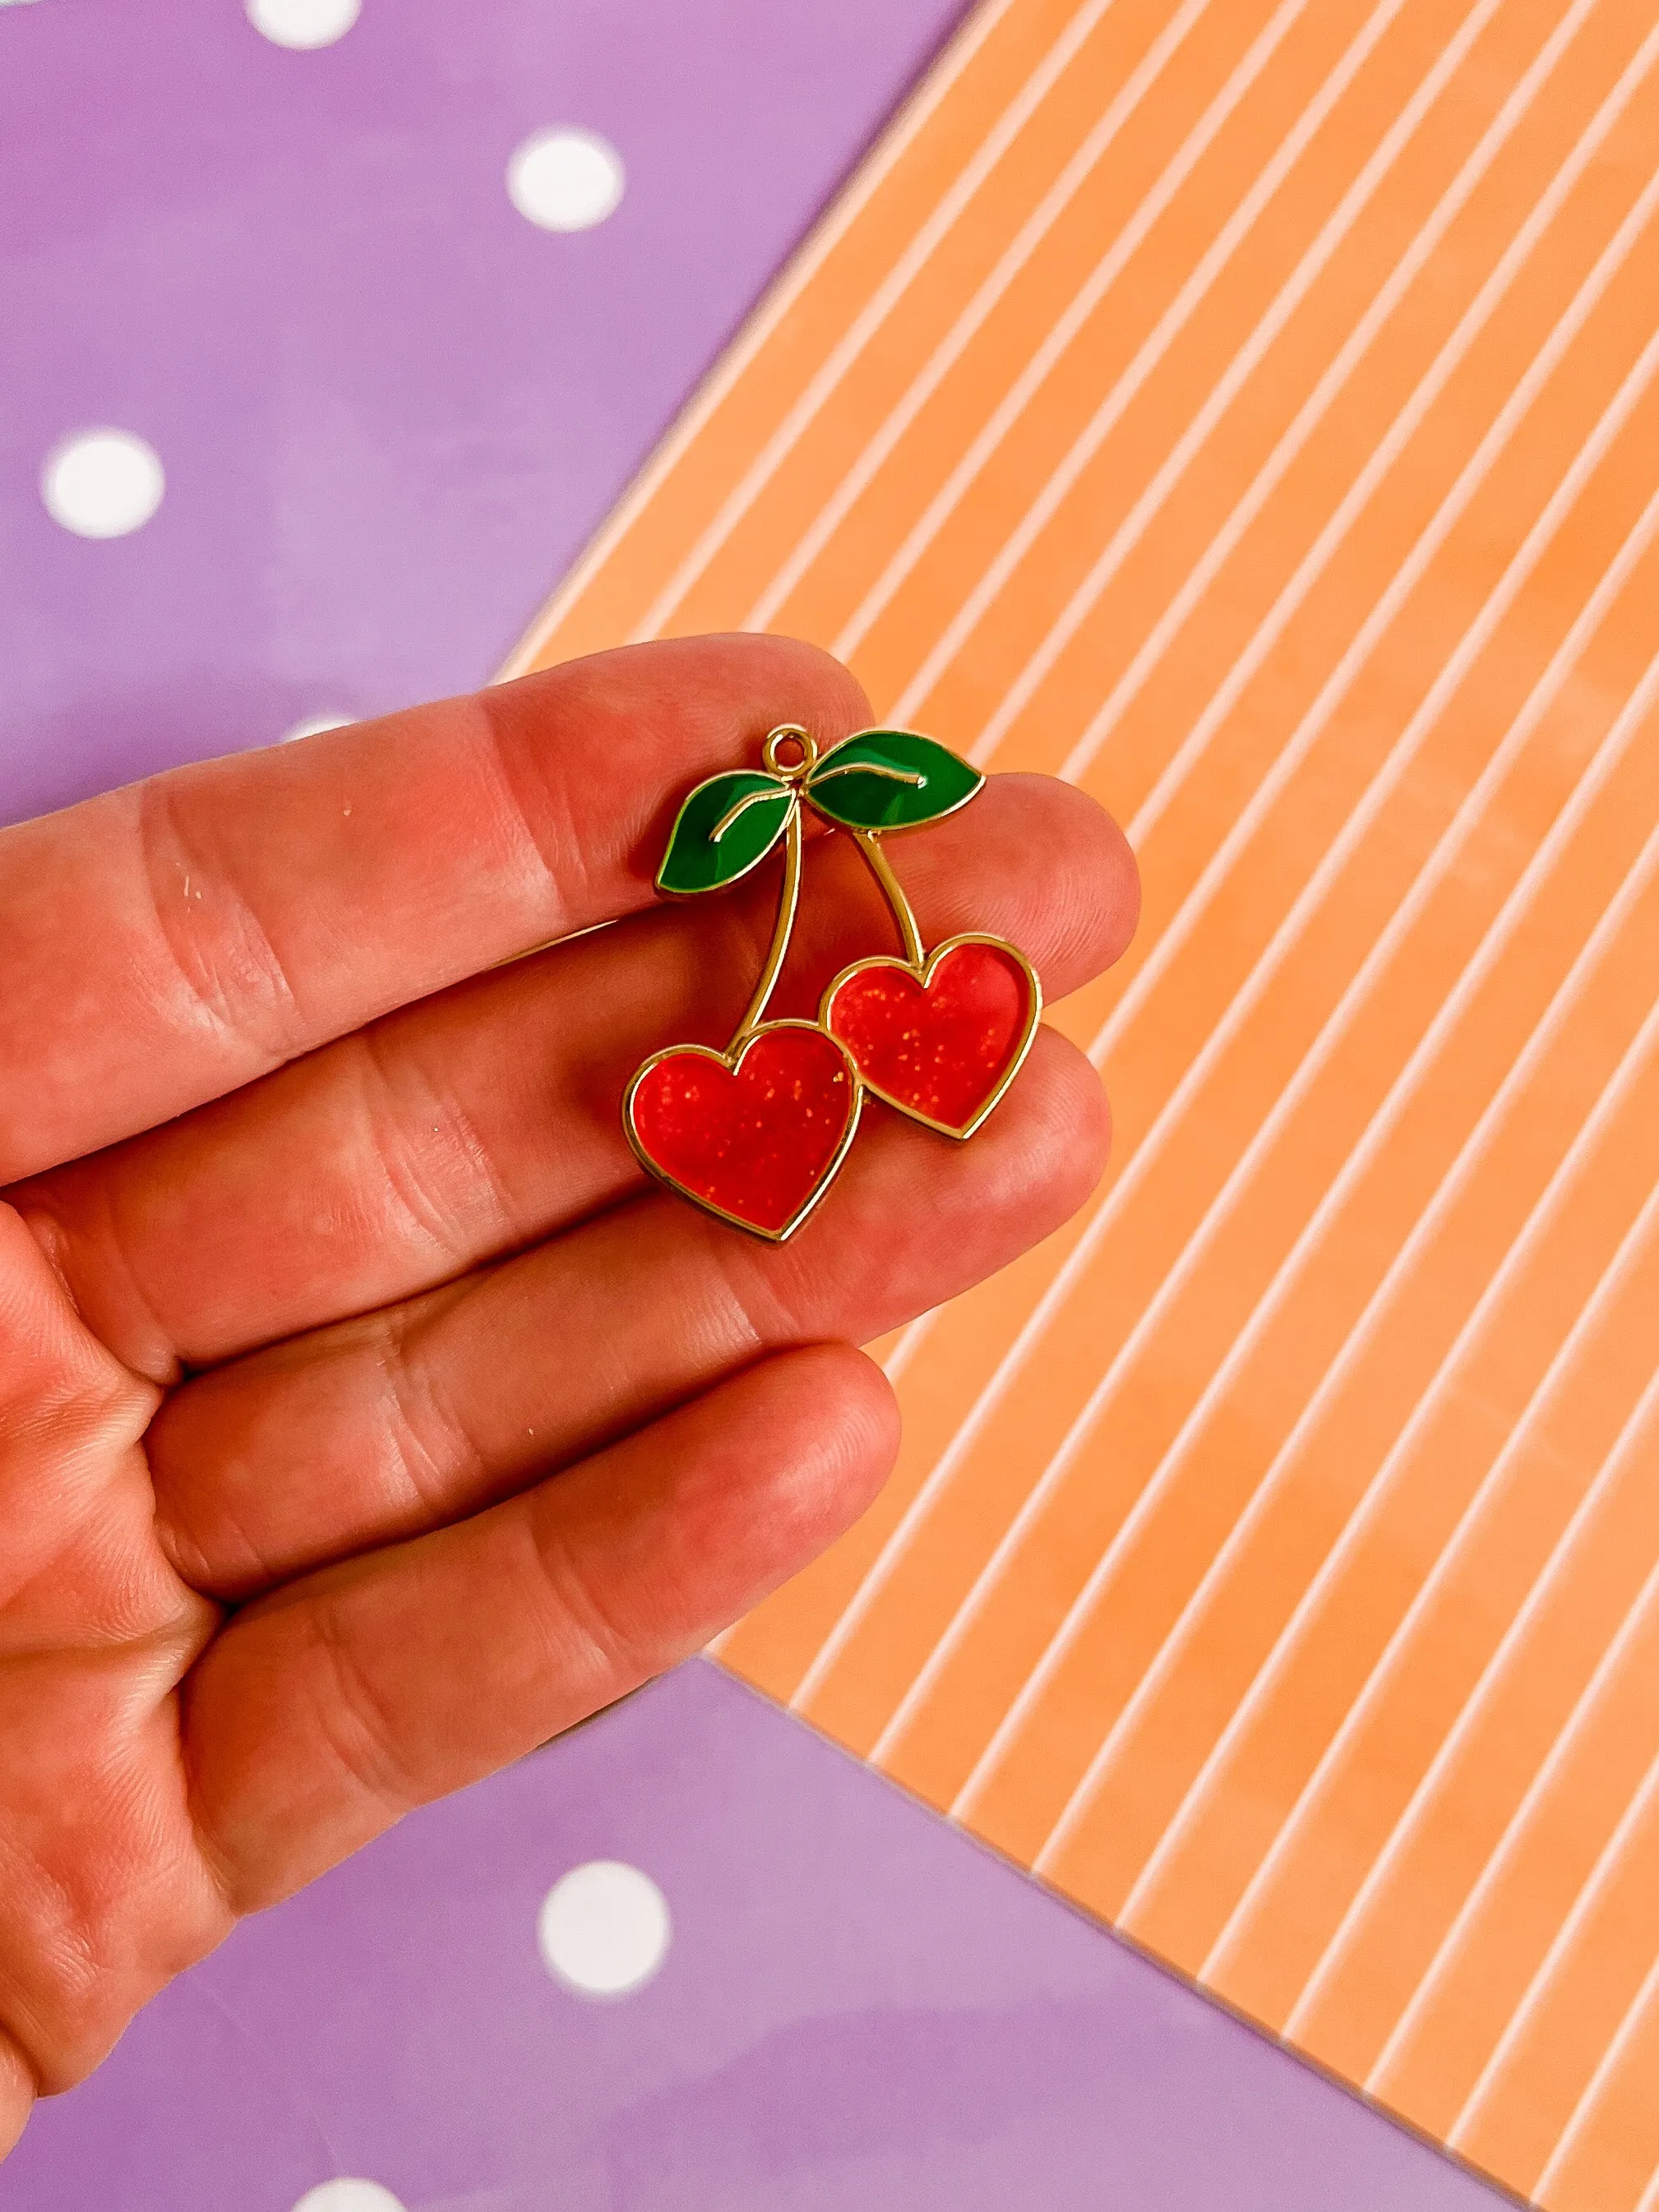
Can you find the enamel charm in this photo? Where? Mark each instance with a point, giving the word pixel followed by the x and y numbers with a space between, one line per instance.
pixel 755 1134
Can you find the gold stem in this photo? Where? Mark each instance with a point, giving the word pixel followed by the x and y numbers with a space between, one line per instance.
pixel 788 898
pixel 869 844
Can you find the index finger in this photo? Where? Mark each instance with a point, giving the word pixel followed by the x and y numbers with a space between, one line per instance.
pixel 163 944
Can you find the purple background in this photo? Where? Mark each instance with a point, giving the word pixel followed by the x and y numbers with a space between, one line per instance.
pixel 860 2011
pixel 390 410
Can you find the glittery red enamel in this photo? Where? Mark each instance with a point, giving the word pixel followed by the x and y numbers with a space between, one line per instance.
pixel 757 1142
pixel 941 1050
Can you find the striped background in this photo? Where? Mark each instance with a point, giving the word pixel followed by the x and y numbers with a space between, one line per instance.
pixel 1250 411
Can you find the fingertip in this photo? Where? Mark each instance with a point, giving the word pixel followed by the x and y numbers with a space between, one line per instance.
pixel 1116 913
pixel 835 1421
pixel 867 1421
pixel 917 1219
pixel 17 2092
pixel 1036 1161
pixel 1090 891
pixel 712 695
pixel 1039 861
pixel 651 720
pixel 832 701
pixel 1070 1139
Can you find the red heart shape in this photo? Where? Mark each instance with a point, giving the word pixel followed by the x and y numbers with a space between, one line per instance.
pixel 755 1137
pixel 943 1042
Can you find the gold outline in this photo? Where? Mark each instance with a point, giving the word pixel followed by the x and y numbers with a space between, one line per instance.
pixel 665 891
pixel 923 971
pixel 783 928
pixel 732 1060
pixel 895 829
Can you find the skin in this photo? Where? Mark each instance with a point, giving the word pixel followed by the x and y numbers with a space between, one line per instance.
pixel 366 1417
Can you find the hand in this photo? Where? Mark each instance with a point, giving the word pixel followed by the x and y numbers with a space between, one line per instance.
pixel 365 1418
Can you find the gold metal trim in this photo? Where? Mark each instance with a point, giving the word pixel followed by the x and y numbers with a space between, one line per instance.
pixel 869 844
pixel 922 969
pixel 783 930
pixel 867 767
pixel 732 1060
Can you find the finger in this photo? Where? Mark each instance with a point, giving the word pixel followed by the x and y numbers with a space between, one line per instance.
pixel 488 1118
pixel 16 2091
pixel 166 943
pixel 389 1425
pixel 324 1714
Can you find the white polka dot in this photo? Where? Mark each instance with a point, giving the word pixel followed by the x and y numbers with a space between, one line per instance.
pixel 102 483
pixel 566 179
pixel 349 2196
pixel 603 1929
pixel 303 22
pixel 313 726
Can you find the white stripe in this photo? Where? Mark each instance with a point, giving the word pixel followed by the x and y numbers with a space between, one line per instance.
pixel 868 322
pixel 1560 1561
pixel 1439 372
pixel 1389 450
pixel 1651 2195
pixel 1375 1496
pixel 1017 398
pixel 1595 2088
pixel 1443 857
pixel 1330 869
pixel 1151 351
pixel 910 1342
pixel 1332 383
pixel 1379 619
pixel 951 348
pixel 1590 1896
pixel 1129 533
pixel 912 1338
pixel 780 298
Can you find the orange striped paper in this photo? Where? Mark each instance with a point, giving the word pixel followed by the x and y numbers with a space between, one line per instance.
pixel 1250 411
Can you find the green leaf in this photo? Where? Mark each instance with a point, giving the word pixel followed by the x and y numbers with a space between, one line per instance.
pixel 727 826
pixel 891 779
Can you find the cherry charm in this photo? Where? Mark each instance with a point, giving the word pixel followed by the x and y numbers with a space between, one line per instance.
pixel 755 1134
pixel 941 1038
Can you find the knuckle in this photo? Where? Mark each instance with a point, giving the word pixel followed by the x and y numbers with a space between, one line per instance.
pixel 221 953
pixel 615 1652
pixel 433 1163
pixel 353 1724
pixel 437 1458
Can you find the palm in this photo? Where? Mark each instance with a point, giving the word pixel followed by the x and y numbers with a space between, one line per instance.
pixel 364 1420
